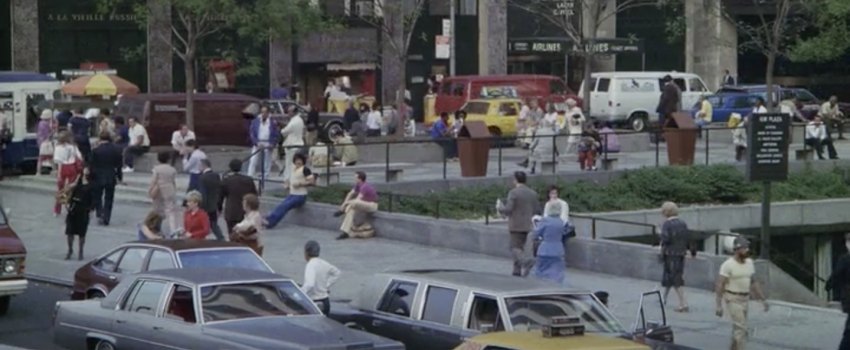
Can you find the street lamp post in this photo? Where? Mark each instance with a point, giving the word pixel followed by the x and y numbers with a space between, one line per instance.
pixel 452 38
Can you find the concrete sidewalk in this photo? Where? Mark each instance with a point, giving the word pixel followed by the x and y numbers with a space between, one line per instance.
pixel 784 327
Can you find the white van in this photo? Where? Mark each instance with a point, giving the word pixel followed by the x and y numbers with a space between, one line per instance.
pixel 631 98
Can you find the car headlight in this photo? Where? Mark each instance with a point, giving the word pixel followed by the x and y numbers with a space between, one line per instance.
pixel 10 266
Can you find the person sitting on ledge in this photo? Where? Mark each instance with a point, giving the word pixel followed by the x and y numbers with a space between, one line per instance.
pixel 362 200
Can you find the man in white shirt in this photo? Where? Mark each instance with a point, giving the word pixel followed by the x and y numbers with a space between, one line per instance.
pixel 263 134
pixel 319 276
pixel 734 284
pixel 192 165
pixel 832 116
pixel 293 140
pixel 373 122
pixel 139 143
pixel 178 142
pixel 817 137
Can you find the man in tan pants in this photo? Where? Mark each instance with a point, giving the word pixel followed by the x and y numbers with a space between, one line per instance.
pixel 361 199
pixel 734 285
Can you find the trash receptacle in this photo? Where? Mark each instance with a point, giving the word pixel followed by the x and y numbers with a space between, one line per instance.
pixel 473 149
pixel 680 132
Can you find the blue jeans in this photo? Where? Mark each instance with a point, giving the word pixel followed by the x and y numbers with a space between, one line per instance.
pixel 194 182
pixel 279 212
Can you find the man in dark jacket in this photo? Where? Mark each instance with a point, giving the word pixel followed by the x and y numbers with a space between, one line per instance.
pixel 839 282
pixel 669 102
pixel 210 186
pixel 350 117
pixel 80 126
pixel 106 163
pixel 233 189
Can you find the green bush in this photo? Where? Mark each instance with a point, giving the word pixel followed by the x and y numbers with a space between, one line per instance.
pixel 637 189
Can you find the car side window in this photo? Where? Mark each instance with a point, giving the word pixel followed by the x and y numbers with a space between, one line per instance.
pixel 604 84
pixel 132 260
pixel 457 89
pixel 696 85
pixel 110 262
pixel 484 315
pixel 398 298
pixel 439 305
pixel 181 305
pixel 805 96
pixel 144 298
pixel 680 83
pixel 508 110
pixel 741 102
pixel 160 260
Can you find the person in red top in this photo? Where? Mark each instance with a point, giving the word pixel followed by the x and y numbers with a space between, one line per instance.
pixel 196 223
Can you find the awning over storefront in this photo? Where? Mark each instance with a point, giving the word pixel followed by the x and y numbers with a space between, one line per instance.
pixel 350 66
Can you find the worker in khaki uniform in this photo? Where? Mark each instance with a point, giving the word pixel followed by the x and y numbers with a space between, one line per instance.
pixel 734 286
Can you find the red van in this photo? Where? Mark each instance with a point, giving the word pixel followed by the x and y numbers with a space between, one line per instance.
pixel 457 90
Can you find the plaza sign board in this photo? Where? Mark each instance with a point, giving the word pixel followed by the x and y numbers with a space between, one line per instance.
pixel 557 46
pixel 767 143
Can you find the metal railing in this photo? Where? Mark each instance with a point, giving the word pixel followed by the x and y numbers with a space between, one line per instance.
pixel 595 219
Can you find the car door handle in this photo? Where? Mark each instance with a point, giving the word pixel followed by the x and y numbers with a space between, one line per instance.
pixel 120 321
pixel 377 323
pixel 419 329
pixel 157 328
pixel 112 278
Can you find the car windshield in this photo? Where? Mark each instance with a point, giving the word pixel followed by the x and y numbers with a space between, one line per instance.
pixel 242 258
pixel 476 108
pixel 249 300
pixel 533 312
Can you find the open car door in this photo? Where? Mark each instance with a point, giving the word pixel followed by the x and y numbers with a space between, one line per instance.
pixel 651 320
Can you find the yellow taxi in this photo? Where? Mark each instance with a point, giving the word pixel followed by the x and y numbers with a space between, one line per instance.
pixel 534 340
pixel 500 114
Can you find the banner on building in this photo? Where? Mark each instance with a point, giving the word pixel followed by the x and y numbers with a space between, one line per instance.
pixel 443 47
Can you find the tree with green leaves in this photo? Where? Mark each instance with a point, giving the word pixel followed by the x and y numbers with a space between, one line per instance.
pixel 193 22
pixel 829 30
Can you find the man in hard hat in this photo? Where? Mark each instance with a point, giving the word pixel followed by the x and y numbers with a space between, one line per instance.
pixel 734 285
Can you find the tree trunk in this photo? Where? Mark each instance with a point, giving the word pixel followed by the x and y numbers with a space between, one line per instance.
pixel 588 64
pixel 399 99
pixel 189 70
pixel 768 80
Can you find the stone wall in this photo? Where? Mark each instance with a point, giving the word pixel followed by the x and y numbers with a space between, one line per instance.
pixel 493 37
pixel 711 42
pixel 160 56
pixel 25 37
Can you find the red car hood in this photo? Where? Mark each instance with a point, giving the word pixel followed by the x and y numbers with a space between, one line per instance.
pixel 9 242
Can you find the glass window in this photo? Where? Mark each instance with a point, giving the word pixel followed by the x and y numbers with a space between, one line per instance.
pixel 637 85
pixel 240 301
pixel 805 96
pixel 485 314
pixel 160 260
pixel 398 298
pixel 476 108
pixel 593 84
pixel 716 101
pixel 532 312
pixel 243 258
pixel 696 85
pixel 680 83
pixel 181 306
pixel 109 262
pixel 145 297
pixel 742 102
pixel 457 89
pixel 508 110
pixel 439 7
pixel 557 87
pixel 468 7
pixel 132 261
pixel 445 88
pixel 439 304
pixel 33 100
pixel 604 83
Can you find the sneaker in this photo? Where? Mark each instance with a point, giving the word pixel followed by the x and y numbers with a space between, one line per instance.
pixel 127 169
pixel 338 213
pixel 342 236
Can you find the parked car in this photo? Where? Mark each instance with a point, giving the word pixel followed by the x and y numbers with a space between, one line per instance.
pixel 99 276
pixel 13 256
pixel 456 91
pixel 808 104
pixel 723 105
pixel 213 308
pixel 219 117
pixel 328 122
pixel 631 98
pixel 500 114
pixel 439 309
pixel 535 340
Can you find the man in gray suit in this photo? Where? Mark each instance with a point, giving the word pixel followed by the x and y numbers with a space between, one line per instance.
pixel 522 204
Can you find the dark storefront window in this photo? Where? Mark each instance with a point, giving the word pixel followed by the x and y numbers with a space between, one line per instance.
pixel 5 38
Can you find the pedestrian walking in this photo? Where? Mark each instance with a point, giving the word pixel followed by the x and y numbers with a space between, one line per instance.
pixel 588 148
pixel 264 135
pixel 734 285
pixel 360 202
pixel 80 129
pixel 106 123
pixel 554 196
pixel 196 223
pixel 138 144
pixel 80 205
pixel 249 231
pixel 575 121
pixel 293 141
pixel 550 233
pixel 319 277
pixel 44 133
pixel 192 165
pixel 106 165
pixel 739 135
pixel 163 190
pixel 62 119
pixel 521 205
pixel 543 149
pixel 839 283
pixel 69 163
pixel 669 101
pixel 151 228
pixel 178 142
pixel 211 192
pixel 299 181
pixel 374 121
pixel 234 187
pixel 675 243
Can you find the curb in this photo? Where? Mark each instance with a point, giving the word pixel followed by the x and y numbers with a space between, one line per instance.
pixel 49 280
pixel 791 305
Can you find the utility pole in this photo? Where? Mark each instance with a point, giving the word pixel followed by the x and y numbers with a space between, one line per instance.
pixel 452 38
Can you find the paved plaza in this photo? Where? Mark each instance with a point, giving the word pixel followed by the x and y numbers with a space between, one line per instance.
pixel 784 327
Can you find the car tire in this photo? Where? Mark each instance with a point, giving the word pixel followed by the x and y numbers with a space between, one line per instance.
pixel 104 345
pixel 329 130
pixel 638 121
pixel 96 294
pixel 5 301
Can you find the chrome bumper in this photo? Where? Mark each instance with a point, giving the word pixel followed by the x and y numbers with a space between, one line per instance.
pixel 13 287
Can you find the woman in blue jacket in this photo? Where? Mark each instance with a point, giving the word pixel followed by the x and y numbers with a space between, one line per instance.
pixel 550 264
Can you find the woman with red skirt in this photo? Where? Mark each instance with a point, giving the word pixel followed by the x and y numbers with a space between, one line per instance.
pixel 68 161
